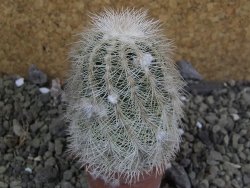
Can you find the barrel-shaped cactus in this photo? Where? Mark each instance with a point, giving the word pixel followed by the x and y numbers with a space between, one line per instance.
pixel 124 97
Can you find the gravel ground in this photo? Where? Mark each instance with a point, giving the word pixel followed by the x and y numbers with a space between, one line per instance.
pixel 215 151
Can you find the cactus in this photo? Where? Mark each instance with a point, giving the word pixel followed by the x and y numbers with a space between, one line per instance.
pixel 123 91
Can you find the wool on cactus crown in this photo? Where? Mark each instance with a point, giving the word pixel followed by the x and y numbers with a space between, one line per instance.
pixel 124 97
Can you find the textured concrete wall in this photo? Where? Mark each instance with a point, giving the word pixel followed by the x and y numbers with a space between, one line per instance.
pixel 213 35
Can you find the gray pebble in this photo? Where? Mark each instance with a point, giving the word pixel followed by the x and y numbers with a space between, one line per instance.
pixel 185 162
pixel 210 100
pixel 213 170
pixel 204 137
pixel 198 99
pixel 15 184
pixel 3 185
pixel 226 140
pixel 235 184
pixel 36 142
pixel 50 161
pixel 178 175
pixel 37 76
pixel 2 169
pixel 46 174
pixel 35 126
pixel 219 182
pixel 189 137
pixel 246 168
pixel 242 156
pixel 204 184
pixel 203 107
pixel 51 146
pixel 226 121
pixel 235 139
pixel 246 96
pixel 58 147
pixel 66 185
pixel 246 179
pixel 67 175
pixel 198 146
pixel 187 71
pixel 8 157
pixel 215 155
pixel 17 128
pixel 211 118
pixel 216 128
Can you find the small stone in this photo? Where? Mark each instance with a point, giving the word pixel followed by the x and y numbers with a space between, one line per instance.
pixel 211 118
pixel 235 158
pixel 187 71
pixel 66 185
pixel 47 155
pixel 51 146
pixel 58 127
pixel 216 128
pixel 242 156
pixel 204 137
pixel 219 182
pixel 27 169
pixel 37 76
pixel 227 122
pixel 3 185
pixel 185 162
pixel 246 179
pixel 231 168
pixel 15 184
pixel 246 168
pixel 198 125
pixel 38 158
pixel 215 155
pixel 198 146
pixel 236 184
pixel 178 175
pixel 236 117
pixel 35 143
pixel 192 175
pixel 46 174
pixel 19 82
pixel 44 90
pixel 58 147
pixel 35 126
pixel 198 99
pixel 17 128
pixel 226 140
pixel 8 157
pixel 67 175
pixel 213 170
pixel 2 169
pixel 189 137
pixel 203 107
pixel 246 96
pixel 235 140
pixel 50 161
pixel 204 184
pixel 210 100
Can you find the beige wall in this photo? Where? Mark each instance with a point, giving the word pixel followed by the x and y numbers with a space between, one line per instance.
pixel 213 35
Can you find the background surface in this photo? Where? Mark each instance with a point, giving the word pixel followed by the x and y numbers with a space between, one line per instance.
pixel 213 35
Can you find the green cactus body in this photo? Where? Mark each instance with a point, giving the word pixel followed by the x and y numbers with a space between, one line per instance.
pixel 124 97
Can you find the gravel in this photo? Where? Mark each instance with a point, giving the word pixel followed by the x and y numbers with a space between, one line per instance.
pixel 215 151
